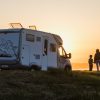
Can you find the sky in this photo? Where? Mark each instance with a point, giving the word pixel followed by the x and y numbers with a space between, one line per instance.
pixel 76 21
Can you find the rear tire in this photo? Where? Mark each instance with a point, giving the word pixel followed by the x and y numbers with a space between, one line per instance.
pixel 35 67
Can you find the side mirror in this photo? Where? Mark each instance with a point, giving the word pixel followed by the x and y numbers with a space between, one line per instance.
pixel 70 56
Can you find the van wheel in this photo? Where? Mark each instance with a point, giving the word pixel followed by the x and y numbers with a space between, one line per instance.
pixel 35 67
pixel 68 68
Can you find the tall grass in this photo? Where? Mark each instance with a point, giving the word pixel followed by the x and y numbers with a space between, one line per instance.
pixel 53 84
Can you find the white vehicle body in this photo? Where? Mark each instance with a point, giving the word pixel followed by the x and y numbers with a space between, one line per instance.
pixel 31 49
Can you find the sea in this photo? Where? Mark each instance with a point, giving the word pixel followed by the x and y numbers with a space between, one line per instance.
pixel 82 66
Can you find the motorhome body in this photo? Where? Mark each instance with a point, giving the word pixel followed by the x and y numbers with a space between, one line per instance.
pixel 32 49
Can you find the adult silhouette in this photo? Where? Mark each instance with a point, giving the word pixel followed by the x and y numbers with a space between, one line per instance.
pixel 97 59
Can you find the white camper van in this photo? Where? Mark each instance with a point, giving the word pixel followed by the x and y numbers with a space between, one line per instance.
pixel 27 48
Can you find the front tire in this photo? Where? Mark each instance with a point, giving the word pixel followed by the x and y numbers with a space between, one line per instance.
pixel 68 68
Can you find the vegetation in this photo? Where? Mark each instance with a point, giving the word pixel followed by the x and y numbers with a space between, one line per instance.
pixel 49 85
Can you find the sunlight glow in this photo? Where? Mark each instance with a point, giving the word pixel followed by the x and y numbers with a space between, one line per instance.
pixel 76 21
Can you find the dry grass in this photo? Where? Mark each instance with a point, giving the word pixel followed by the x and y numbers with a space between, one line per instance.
pixel 51 85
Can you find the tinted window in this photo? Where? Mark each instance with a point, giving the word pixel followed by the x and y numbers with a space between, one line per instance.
pixel 52 47
pixel 30 37
pixel 45 46
pixel 38 39
pixel 62 52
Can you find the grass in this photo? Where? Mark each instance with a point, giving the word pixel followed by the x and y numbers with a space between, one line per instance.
pixel 49 85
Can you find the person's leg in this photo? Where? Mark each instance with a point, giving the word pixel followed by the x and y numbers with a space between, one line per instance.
pixel 91 67
pixel 97 65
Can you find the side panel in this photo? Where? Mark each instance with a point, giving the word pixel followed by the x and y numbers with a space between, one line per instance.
pixel 45 53
pixel 52 55
pixel 32 43
pixel 36 49
pixel 52 59
pixel 40 52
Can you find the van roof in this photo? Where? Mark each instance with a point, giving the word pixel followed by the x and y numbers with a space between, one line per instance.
pixel 10 30
pixel 16 30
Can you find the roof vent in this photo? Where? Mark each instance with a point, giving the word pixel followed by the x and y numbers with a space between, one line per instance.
pixel 33 27
pixel 16 25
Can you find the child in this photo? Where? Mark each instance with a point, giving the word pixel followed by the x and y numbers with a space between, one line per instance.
pixel 90 61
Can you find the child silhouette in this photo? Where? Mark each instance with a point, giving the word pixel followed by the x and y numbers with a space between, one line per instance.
pixel 90 61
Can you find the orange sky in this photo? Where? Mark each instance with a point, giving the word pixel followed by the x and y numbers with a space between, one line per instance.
pixel 76 21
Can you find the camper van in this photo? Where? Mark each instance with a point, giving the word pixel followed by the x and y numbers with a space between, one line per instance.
pixel 33 49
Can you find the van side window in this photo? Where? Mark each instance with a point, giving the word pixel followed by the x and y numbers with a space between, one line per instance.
pixel 38 39
pixel 46 46
pixel 52 47
pixel 30 37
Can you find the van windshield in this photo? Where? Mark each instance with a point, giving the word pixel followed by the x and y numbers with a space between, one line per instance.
pixel 62 52
pixel 9 44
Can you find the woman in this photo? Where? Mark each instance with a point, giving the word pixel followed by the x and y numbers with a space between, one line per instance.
pixel 97 59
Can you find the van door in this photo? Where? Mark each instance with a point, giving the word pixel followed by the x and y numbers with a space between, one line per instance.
pixel 25 55
pixel 45 53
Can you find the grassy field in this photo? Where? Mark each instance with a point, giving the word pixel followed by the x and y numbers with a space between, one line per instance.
pixel 50 85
